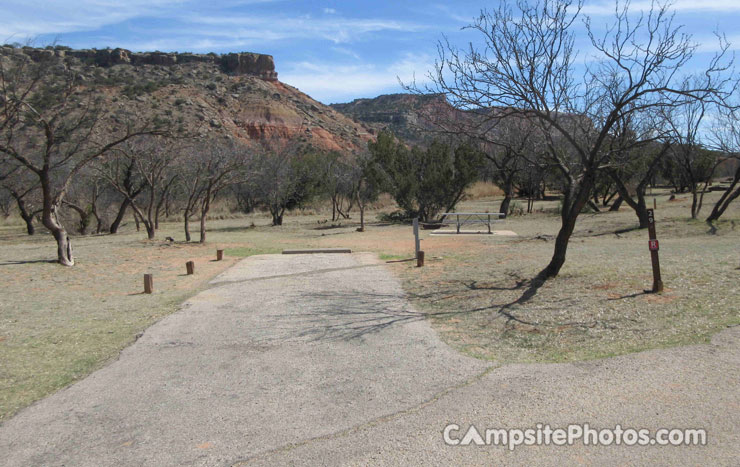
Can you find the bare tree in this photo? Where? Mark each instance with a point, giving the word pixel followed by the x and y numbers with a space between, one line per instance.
pixel 49 126
pixel 207 171
pixel 87 199
pixel 123 170
pixel 339 184
pixel 152 160
pixel 23 190
pixel 285 175
pixel 696 163
pixel 726 136
pixel 526 67
pixel 636 151
pixel 367 184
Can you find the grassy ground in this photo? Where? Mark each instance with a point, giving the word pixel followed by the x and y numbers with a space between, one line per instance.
pixel 59 324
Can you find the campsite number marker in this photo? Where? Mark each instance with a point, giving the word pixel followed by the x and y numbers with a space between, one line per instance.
pixel 654 246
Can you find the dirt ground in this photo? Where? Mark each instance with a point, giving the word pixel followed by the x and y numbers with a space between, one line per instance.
pixel 59 324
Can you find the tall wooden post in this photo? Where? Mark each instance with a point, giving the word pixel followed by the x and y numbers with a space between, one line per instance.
pixel 654 247
pixel 417 242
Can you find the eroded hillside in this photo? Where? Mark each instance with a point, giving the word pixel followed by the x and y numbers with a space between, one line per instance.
pixel 234 95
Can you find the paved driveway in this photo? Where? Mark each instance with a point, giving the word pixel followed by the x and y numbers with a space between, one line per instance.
pixel 318 359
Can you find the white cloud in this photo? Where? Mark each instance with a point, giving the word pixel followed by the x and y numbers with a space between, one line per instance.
pixel 346 51
pixel 330 11
pixel 331 83
pixel 208 33
pixel 608 7
pixel 335 29
pixel 23 19
pixel 454 14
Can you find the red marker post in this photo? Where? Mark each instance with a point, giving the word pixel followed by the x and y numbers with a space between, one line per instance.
pixel 654 246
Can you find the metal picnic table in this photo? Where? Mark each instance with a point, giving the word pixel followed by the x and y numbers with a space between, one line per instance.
pixel 466 218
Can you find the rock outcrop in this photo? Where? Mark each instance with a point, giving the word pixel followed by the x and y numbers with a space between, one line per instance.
pixel 406 115
pixel 243 63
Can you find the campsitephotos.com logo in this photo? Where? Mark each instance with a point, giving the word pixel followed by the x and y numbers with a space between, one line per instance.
pixel 544 435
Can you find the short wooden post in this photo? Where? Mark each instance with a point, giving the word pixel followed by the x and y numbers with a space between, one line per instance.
pixel 148 283
pixel 420 259
pixel 655 204
pixel 219 255
pixel 190 267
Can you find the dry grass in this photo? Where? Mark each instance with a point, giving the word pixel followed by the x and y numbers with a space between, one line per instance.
pixel 482 190
pixel 59 324
pixel 483 301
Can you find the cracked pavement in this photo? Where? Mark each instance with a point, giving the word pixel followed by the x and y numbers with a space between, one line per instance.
pixel 319 359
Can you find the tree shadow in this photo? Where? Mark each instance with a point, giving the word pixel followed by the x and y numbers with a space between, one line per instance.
pixel 237 228
pixel 32 261
pixel 346 316
pixel 636 294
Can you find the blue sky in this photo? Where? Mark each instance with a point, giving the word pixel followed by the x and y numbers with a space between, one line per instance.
pixel 335 51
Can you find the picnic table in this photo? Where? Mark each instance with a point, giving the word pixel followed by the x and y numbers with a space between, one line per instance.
pixel 467 218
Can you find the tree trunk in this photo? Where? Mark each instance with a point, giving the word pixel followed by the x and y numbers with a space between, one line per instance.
pixel 638 206
pixel 205 207
pixel 64 246
pixel 727 197
pixel 186 225
pixel 617 204
pixel 561 246
pixel 700 204
pixel 150 229
pixel 203 228
pixel 119 217
pixel 608 198
pixel 694 203
pixel 504 207
pixel 84 217
pixel 27 216
pixel 572 206
pixel 642 214
pixel 277 215
pixel 30 228
pixel 23 210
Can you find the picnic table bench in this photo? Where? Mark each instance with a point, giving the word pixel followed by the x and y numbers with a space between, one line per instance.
pixel 466 218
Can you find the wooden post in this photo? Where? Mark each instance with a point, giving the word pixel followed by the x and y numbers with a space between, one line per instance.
pixel 420 259
pixel 655 204
pixel 219 255
pixel 654 247
pixel 417 242
pixel 148 283
pixel 190 267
